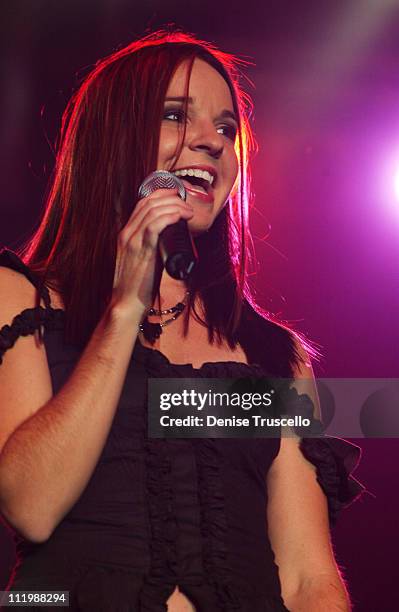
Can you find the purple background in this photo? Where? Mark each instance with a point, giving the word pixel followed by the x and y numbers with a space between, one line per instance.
pixel 326 221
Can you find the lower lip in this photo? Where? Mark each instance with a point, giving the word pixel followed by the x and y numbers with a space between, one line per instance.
pixel 206 198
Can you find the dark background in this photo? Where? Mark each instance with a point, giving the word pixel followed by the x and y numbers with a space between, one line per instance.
pixel 326 217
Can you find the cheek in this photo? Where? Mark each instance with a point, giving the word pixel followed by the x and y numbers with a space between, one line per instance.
pixel 168 143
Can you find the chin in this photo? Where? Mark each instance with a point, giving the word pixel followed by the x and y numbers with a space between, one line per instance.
pixel 196 229
pixel 201 223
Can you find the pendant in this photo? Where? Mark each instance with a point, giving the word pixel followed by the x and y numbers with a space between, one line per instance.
pixel 180 307
pixel 151 331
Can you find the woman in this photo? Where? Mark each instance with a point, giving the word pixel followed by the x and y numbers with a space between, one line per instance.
pixel 120 520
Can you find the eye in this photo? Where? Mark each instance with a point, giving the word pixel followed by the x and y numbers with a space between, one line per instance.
pixel 176 115
pixel 229 130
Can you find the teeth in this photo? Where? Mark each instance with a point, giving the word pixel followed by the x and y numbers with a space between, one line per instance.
pixel 195 172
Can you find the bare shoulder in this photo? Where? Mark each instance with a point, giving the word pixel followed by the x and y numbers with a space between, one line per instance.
pixel 25 382
pixel 16 291
pixel 17 294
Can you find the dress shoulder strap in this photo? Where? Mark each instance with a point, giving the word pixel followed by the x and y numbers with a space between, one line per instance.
pixel 9 259
pixel 30 319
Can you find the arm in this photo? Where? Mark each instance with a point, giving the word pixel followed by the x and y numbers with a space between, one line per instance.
pixel 50 445
pixel 298 525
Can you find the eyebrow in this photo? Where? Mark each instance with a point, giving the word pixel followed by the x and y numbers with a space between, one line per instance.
pixel 225 114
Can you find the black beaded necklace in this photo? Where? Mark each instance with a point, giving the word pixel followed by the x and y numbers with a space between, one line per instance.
pixel 152 331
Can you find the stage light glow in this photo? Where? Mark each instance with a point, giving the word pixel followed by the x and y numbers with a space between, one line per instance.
pixel 387 181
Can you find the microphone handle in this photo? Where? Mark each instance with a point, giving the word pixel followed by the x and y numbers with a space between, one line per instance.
pixel 177 249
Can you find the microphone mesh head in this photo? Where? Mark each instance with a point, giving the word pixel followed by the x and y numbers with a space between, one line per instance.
pixel 161 179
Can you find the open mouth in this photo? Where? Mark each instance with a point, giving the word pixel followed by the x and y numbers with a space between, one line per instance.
pixel 198 180
pixel 199 184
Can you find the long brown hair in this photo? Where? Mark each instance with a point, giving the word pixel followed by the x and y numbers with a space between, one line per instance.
pixel 108 144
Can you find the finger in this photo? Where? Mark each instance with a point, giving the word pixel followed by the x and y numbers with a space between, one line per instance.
pixel 158 193
pixel 151 227
pixel 151 209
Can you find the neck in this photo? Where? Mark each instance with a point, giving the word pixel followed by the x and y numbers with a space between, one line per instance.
pixel 171 290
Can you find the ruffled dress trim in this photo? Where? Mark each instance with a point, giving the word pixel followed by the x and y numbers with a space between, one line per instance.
pixel 160 582
pixel 335 459
pixel 26 323
pixel 157 364
pixel 30 319
pixel 214 524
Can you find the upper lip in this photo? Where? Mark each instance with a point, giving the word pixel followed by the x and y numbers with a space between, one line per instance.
pixel 209 169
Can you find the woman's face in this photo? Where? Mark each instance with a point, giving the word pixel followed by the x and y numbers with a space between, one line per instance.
pixel 208 148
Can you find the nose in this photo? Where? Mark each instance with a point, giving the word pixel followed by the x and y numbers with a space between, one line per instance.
pixel 204 137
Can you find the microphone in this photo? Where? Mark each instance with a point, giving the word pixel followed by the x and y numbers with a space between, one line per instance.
pixel 176 245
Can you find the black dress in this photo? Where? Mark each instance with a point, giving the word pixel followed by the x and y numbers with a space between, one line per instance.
pixel 158 513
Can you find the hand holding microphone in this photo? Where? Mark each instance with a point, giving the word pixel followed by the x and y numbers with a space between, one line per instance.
pixel 177 248
pixel 142 242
